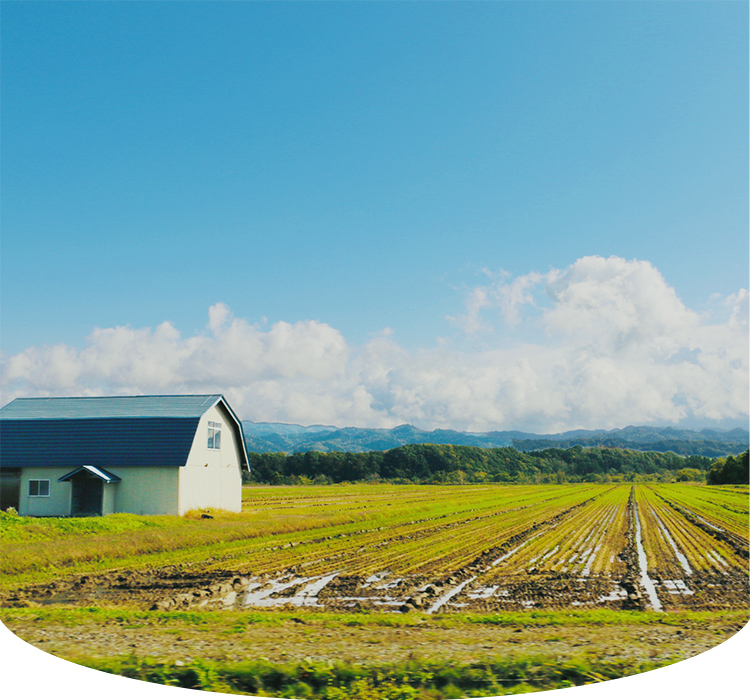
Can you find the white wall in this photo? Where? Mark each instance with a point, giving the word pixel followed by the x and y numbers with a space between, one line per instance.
pixel 109 498
pixel 58 501
pixel 212 478
pixel 145 490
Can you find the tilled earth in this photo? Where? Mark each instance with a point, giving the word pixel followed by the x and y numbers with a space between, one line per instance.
pixel 176 588
pixel 183 587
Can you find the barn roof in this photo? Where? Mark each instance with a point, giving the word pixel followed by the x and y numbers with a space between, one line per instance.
pixel 52 408
pixel 108 431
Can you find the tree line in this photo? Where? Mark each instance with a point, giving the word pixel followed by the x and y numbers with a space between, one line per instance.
pixel 456 464
pixel 729 470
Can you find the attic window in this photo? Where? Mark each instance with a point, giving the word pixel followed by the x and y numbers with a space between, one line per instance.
pixel 214 435
pixel 38 487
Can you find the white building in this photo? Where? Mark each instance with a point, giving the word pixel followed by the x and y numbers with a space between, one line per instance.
pixel 122 454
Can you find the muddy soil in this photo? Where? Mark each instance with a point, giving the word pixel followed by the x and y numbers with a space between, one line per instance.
pixel 140 589
pixel 183 587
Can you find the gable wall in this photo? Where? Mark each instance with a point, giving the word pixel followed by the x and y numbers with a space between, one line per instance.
pixel 212 478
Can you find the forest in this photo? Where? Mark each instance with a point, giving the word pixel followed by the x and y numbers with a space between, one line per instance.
pixel 455 464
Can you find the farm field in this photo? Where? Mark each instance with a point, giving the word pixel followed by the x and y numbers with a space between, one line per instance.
pixel 545 577
pixel 401 548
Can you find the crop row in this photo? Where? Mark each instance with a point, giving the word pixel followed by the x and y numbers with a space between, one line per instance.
pixel 718 508
pixel 675 547
pixel 457 527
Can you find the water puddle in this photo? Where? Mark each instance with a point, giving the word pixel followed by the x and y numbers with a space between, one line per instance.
pixel 680 556
pixel 616 594
pixel 589 563
pixel 258 595
pixel 646 581
pixel 717 561
pixel 677 587
pixel 309 594
pixel 450 594
pixel 713 527
pixel 513 551
pixel 483 593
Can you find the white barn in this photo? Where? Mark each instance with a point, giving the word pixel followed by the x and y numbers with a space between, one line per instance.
pixel 125 454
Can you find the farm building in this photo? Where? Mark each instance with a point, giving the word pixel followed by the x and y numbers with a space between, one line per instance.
pixel 122 454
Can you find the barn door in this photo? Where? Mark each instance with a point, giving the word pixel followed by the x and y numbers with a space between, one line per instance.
pixel 10 488
pixel 86 496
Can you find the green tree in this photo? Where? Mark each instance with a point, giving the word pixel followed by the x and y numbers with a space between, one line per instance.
pixel 729 470
pixel 690 475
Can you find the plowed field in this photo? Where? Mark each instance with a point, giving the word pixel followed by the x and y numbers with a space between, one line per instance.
pixel 403 548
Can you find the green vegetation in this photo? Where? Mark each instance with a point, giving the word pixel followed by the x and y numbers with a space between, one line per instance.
pixel 221 621
pixel 13 527
pixel 730 470
pixel 726 508
pixel 329 675
pixel 413 679
pixel 455 464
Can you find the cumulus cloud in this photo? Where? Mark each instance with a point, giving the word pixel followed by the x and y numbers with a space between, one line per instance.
pixel 508 297
pixel 616 346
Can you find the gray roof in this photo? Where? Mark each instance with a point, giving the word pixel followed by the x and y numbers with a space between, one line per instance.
pixel 109 407
pixel 108 431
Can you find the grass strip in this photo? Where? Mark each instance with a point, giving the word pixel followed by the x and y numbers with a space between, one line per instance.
pixel 74 616
pixel 415 679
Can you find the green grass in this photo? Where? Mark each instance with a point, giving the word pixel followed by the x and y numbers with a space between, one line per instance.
pixel 75 616
pixel 15 528
pixel 414 679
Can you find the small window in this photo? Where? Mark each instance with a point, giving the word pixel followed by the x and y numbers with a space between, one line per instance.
pixel 214 435
pixel 38 487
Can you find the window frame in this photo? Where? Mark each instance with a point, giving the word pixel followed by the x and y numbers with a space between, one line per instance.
pixel 39 488
pixel 214 435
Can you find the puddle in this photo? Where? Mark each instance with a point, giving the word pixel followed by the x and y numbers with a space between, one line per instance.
pixel 589 563
pixel 483 593
pixel 646 581
pixel 257 595
pixel 543 557
pixel 717 560
pixel 450 594
pixel 680 556
pixel 677 587
pixel 617 593
pixel 713 527
pixel 309 594
pixel 389 585
pixel 513 551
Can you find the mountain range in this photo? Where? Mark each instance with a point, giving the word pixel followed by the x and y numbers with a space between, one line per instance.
pixel 286 437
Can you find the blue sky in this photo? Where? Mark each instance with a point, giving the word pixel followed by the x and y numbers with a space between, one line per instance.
pixel 368 174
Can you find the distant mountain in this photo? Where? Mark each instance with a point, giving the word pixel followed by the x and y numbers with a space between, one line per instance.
pixel 707 442
pixel 285 437
pixel 260 437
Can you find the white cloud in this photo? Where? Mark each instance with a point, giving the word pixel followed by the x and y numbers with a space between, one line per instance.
pixel 508 297
pixel 619 348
